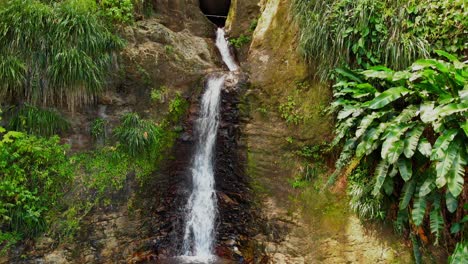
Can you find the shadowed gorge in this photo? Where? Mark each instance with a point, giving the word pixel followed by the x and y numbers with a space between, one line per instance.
pixel 215 10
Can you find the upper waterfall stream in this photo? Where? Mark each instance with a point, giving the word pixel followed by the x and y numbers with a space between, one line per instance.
pixel 202 205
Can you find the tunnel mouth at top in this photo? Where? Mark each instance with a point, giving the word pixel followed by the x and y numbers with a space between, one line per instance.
pixel 216 10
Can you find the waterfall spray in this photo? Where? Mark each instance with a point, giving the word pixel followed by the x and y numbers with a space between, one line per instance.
pixel 199 230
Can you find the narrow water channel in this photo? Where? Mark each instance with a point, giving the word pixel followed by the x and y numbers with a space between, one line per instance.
pixel 199 233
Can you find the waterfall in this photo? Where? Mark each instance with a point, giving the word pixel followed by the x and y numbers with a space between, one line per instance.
pixel 200 230
pixel 223 47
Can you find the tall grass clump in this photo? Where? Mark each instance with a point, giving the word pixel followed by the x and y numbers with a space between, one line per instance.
pixel 138 137
pixel 363 33
pixel 53 55
pixel 37 121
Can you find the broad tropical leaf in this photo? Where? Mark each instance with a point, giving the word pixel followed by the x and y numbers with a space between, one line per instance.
pixel 436 222
pixel 456 173
pixel 393 147
pixel 451 202
pixel 407 194
pixel 451 109
pixel 348 110
pixel 442 143
pixel 447 55
pixel 349 74
pixel 460 254
pixel 427 112
pixel 388 185
pixel 419 210
pixel 380 175
pixel 387 97
pixel 378 73
pixel 425 147
pixel 366 122
pixel 405 167
pixel 444 165
pixel 464 126
pixel 427 186
pixel 412 140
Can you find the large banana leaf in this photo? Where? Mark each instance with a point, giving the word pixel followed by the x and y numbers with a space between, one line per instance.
pixel 442 143
pixel 406 169
pixel 366 122
pixel 419 210
pixel 387 97
pixel 436 222
pixel 451 202
pixel 455 176
pixel 428 184
pixel 393 147
pixel 427 112
pixel 380 175
pixel 444 165
pixel 451 109
pixel 407 193
pixel 425 147
pixel 412 140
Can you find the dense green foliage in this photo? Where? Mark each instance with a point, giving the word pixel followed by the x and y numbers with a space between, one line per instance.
pixel 240 41
pixel 137 136
pixel 362 33
pixel 460 254
pixel 53 55
pixel 411 128
pixel 403 132
pixel 33 174
pixel 117 11
pixel 37 121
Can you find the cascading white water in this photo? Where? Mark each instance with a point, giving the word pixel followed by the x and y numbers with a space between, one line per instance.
pixel 223 47
pixel 199 230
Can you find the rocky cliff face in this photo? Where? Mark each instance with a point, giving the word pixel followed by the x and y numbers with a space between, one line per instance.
pixel 172 49
pixel 285 112
pixel 262 218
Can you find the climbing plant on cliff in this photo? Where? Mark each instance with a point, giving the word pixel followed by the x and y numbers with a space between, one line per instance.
pixel 410 127
pixel 53 55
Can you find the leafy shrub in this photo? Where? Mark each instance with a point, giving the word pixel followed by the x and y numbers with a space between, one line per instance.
pixel 119 11
pixel 363 33
pixel 159 95
pixel 98 128
pixel 177 108
pixel 37 121
pixel 442 23
pixel 460 254
pixel 415 123
pixel 253 25
pixel 53 54
pixel 240 41
pixel 34 173
pixel 290 112
pixel 137 136
pixel 107 166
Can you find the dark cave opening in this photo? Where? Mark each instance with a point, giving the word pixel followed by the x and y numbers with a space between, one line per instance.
pixel 216 10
